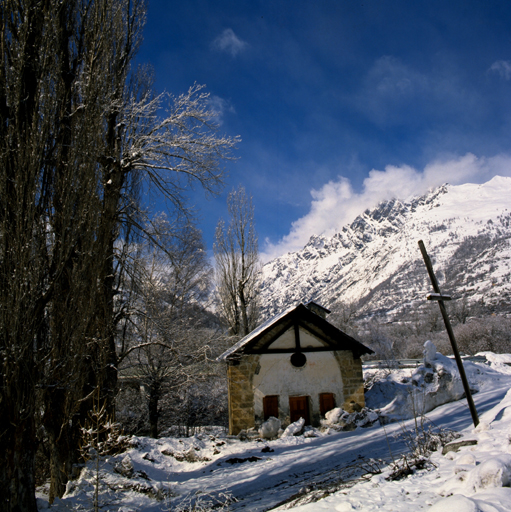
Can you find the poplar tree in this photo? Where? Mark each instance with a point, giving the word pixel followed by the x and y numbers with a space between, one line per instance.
pixel 79 134
pixel 237 265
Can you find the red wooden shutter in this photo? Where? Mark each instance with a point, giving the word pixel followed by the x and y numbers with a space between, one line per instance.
pixel 326 402
pixel 299 408
pixel 271 406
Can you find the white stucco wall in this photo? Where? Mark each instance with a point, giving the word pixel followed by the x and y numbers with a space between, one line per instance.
pixel 277 376
pixel 287 340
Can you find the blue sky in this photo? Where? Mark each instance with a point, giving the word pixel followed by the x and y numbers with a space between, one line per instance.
pixel 340 104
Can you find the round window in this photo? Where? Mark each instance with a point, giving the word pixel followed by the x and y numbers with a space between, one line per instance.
pixel 298 359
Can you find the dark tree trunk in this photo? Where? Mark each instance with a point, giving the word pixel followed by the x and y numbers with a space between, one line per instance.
pixel 243 306
pixel 154 414
pixel 62 443
pixel 17 446
pixel 21 274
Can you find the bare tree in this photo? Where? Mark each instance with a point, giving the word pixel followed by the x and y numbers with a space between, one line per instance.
pixel 343 315
pixel 237 264
pixel 460 310
pixel 169 339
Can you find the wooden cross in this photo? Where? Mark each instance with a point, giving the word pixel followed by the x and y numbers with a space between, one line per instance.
pixel 440 299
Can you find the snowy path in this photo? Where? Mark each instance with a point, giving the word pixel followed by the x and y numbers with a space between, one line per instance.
pixel 262 485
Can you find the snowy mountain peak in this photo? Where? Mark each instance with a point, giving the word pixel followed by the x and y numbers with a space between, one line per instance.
pixel 375 261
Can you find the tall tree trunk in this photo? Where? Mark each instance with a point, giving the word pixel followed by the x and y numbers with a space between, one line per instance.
pixel 245 329
pixel 154 397
pixel 18 446
pixel 62 449
pixel 22 271
pixel 108 358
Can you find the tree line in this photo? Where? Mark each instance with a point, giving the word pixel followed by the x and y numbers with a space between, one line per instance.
pixel 81 134
pixel 476 327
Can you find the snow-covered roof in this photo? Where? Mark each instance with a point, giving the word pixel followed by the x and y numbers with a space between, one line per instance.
pixel 258 330
pixel 305 317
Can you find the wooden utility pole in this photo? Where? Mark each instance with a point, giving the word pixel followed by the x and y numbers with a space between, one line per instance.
pixel 440 299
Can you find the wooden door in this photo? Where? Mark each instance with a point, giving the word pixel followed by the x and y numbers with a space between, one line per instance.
pixel 271 406
pixel 326 402
pixel 299 408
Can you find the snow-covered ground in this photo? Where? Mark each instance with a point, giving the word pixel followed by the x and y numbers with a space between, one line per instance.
pixel 169 473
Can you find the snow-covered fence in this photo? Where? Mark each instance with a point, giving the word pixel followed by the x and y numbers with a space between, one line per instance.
pixel 414 363
pixel 398 363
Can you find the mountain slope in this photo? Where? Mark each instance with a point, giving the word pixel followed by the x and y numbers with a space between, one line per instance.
pixel 375 262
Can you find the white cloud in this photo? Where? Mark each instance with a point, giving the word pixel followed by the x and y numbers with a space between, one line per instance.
pixel 391 78
pixel 336 203
pixel 220 106
pixel 503 68
pixel 229 42
pixel 395 93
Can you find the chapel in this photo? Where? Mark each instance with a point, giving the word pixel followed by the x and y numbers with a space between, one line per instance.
pixel 295 365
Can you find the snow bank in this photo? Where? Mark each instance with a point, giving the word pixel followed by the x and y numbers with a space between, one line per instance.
pixel 499 362
pixel 456 503
pixel 294 429
pixel 270 428
pixel 469 478
pixel 398 397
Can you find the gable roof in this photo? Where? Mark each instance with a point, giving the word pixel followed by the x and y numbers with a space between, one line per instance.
pixel 260 338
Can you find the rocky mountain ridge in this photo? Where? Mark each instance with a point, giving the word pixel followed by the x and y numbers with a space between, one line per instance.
pixel 375 262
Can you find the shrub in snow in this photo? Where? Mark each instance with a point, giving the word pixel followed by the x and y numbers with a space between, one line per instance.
pixel 190 455
pixel 420 441
pixel 205 502
pixel 294 429
pixel 270 428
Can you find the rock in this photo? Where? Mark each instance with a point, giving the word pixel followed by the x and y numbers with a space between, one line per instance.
pixel 238 460
pixel 343 420
pixel 125 468
pixel 467 459
pixel 492 473
pixel 456 445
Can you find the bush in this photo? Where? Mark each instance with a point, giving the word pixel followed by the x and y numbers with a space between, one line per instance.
pixel 491 333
